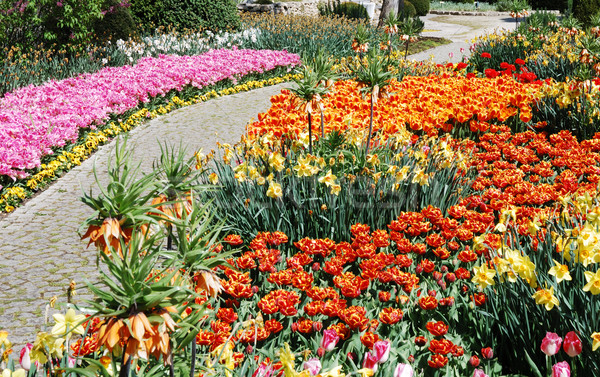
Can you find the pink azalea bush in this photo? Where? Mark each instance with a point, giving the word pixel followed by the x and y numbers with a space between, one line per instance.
pixel 36 118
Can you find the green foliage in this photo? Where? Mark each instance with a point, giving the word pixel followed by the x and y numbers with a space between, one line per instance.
pixel 349 10
pixel 421 7
pixel 69 22
pixel 516 323
pixel 309 208
pixel 20 23
pixel 539 19
pixel 306 35
pixel 206 14
pixel 146 13
pixel 584 9
pixel 66 23
pixel 186 14
pixel 117 23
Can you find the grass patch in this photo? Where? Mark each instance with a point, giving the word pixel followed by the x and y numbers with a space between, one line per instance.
pixel 452 6
pixel 426 43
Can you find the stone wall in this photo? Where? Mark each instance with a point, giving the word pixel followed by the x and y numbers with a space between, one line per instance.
pixel 304 8
pixel 307 8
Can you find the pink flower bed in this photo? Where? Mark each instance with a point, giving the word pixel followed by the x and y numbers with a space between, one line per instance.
pixel 36 118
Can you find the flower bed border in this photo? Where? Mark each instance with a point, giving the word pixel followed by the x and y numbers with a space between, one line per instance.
pixel 65 158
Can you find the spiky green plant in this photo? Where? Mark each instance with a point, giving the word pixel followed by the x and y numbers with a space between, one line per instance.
pixel 374 77
pixel 309 90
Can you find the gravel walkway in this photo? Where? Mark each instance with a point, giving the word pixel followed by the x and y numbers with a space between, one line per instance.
pixel 40 249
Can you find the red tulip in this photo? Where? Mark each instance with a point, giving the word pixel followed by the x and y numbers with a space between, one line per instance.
pixel 572 344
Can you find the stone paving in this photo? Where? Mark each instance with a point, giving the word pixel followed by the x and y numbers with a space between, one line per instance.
pixel 40 248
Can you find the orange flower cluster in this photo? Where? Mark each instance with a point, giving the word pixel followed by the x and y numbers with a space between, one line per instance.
pixel 425 104
pixel 322 284
pixel 532 173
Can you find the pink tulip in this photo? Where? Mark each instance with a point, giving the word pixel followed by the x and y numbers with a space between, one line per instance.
pixel 381 350
pixel 263 371
pixel 370 362
pixel 330 340
pixel 572 344
pixel 313 366
pixel 479 373
pixel 24 358
pixel 551 343
pixel 404 370
pixel 561 369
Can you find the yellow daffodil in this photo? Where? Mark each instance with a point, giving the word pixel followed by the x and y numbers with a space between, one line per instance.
pixel 70 322
pixel 593 282
pixel 44 343
pixel 595 340
pixel 560 272
pixel 365 372
pixel 328 179
pixel 16 373
pixel 274 191
pixel 276 161
pixel 484 276
pixel 213 178
pixel 335 189
pixel 303 168
pixel 546 297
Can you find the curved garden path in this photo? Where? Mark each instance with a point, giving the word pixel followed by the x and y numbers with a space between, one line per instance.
pixel 40 249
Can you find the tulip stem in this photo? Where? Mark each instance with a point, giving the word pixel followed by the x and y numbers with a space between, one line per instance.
pixel 193 366
pixel 370 127
pixel 309 133
pixel 125 366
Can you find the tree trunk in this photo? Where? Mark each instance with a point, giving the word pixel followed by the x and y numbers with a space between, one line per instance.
pixel 388 7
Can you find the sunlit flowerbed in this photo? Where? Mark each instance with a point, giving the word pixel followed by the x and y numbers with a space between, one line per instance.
pixel 429 226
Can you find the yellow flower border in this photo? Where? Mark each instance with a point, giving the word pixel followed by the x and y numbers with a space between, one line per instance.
pixel 67 159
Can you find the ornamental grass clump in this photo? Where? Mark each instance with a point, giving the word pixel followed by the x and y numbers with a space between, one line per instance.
pixel 306 35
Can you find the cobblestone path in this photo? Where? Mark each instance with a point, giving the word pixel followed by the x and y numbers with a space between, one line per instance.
pixel 40 248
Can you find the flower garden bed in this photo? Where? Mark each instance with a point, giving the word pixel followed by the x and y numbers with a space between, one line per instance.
pixel 433 225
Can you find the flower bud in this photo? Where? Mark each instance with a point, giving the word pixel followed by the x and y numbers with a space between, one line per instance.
pixel 474 361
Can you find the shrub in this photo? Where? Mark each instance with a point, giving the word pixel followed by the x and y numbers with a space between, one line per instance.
pixel 146 13
pixel 349 10
pixel 409 10
pixel 186 14
pixel 584 9
pixel 208 14
pixel 117 22
pixel 421 6
pixel 69 22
